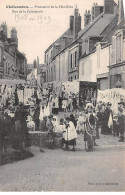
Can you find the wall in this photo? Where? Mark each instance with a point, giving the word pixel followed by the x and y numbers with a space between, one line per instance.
pixel 73 70
pixel 117 67
pixel 94 64
pixel 60 72
pixel 103 60
pixel 88 68
pixel 123 52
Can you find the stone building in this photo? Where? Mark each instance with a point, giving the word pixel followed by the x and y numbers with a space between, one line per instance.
pixel 62 57
pixel 57 55
pixel 105 64
pixel 36 73
pixel 117 63
pixel 13 63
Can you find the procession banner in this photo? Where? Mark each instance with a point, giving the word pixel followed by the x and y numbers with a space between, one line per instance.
pixel 70 87
pixel 57 88
pixel 111 95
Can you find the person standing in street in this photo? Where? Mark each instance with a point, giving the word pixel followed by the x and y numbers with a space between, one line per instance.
pixel 121 124
pixel 50 129
pixel 17 118
pixel 90 132
pixel 70 135
pixel 36 117
pixel 2 138
pixel 108 119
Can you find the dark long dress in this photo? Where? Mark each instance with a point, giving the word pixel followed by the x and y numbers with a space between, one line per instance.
pixel 24 130
pixel 121 122
pixel 90 132
pixel 105 118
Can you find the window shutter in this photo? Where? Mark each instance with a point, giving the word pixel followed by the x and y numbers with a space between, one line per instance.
pixel 113 50
pixel 118 48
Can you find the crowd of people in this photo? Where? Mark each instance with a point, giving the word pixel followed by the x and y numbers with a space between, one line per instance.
pixel 44 115
pixel 90 121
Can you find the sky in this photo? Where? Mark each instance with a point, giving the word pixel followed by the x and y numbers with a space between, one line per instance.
pixel 36 31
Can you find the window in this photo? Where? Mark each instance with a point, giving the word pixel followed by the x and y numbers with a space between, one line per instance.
pixel 6 67
pixel 75 58
pixel 118 48
pixel 71 60
pixel 116 81
pixel 51 73
pixel 47 59
pixel 54 72
pixel 113 60
pixel 47 75
pixel 0 55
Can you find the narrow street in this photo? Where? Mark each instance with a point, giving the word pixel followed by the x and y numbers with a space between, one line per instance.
pixel 58 170
pixel 62 74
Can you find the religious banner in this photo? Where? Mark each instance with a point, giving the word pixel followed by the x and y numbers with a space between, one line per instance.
pixel 111 95
pixel 70 87
pixel 57 88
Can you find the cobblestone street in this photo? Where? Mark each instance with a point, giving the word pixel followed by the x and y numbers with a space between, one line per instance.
pixel 58 170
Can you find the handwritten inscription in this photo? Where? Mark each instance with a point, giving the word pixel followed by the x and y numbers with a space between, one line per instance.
pixel 39 18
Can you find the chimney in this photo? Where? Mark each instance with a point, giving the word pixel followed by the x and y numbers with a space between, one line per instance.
pixel 96 10
pixel 38 68
pixel 77 22
pixel 87 18
pixel 4 28
pixel 14 38
pixel 71 23
pixel 121 10
pixel 109 6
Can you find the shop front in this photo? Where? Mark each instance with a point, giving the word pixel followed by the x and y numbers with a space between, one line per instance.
pixel 87 93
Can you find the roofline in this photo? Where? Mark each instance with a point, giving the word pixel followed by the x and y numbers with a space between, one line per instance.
pixel 64 49
pixel 107 45
pixel 82 34
pixel 56 41
pixel 91 24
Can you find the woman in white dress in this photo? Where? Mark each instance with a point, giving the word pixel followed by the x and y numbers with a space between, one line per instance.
pixel 70 135
pixel 55 123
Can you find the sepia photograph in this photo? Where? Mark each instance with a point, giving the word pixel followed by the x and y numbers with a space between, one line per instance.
pixel 62 96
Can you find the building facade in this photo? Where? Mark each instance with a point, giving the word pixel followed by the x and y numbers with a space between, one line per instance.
pixel 58 54
pixel 117 65
pixel 62 57
pixel 106 65
pixel 13 63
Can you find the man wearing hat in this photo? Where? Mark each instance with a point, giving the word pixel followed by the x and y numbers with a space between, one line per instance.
pixel 121 104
